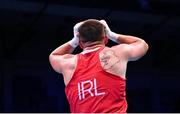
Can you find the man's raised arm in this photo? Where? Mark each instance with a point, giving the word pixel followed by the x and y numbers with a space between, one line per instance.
pixel 60 53
pixel 133 46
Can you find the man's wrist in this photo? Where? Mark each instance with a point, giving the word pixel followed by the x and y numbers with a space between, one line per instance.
pixel 74 42
pixel 113 36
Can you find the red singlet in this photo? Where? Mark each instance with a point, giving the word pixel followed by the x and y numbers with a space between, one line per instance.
pixel 92 89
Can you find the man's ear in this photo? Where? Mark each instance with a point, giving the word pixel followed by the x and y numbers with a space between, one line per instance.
pixel 81 44
pixel 105 40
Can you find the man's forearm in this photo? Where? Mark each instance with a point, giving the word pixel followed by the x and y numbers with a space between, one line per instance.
pixel 133 41
pixel 127 39
pixel 119 38
pixel 69 47
pixel 63 49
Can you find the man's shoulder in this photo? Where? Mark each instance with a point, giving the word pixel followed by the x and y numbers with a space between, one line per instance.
pixel 68 56
pixel 68 60
pixel 119 50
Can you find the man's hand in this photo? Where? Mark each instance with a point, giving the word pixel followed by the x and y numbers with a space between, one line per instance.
pixel 111 35
pixel 75 41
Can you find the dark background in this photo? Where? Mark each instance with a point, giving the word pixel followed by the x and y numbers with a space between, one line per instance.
pixel 31 29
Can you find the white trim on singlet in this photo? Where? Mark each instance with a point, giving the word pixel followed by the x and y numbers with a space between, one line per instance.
pixel 89 50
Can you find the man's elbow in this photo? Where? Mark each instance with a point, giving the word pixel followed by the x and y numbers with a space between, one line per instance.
pixel 50 57
pixel 54 63
pixel 143 48
pixel 146 46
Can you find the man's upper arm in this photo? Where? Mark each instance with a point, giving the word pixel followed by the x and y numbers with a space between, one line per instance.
pixel 133 51
pixel 58 62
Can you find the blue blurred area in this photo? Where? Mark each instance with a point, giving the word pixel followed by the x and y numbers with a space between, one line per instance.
pixel 31 29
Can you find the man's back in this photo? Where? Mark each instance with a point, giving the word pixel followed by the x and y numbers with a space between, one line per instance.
pixel 113 60
pixel 91 88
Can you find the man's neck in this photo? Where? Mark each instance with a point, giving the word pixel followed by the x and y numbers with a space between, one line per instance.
pixel 93 47
pixel 90 46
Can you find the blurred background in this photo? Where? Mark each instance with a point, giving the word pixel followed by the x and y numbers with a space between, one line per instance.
pixel 31 29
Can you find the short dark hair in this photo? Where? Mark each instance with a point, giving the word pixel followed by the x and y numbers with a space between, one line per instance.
pixel 91 30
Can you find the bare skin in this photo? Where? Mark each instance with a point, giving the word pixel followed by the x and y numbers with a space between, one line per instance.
pixel 113 63
pixel 113 60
